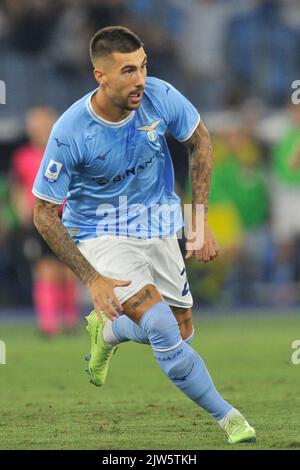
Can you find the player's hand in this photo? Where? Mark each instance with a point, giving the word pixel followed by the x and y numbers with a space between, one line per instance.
pixel 103 296
pixel 209 250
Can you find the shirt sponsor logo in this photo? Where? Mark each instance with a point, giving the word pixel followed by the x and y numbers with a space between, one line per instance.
pixel 53 170
pixel 130 171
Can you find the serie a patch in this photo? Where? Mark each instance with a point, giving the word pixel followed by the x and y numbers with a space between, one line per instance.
pixel 52 171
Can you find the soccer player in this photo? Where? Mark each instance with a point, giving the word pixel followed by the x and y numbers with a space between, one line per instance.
pixel 108 156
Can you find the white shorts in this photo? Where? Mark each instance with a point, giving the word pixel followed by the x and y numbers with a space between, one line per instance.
pixel 151 261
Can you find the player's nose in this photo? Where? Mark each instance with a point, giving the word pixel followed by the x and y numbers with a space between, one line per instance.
pixel 140 80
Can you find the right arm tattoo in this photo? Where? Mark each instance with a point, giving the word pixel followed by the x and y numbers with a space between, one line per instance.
pixel 200 152
pixel 47 222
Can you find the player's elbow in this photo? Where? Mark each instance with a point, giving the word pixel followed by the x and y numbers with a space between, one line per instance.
pixel 36 218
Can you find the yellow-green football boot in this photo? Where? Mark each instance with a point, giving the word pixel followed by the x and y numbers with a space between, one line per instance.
pixel 239 430
pixel 101 352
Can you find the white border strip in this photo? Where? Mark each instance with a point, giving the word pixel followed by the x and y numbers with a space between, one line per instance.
pixel 46 198
pixel 191 131
pixel 169 349
pixel 104 121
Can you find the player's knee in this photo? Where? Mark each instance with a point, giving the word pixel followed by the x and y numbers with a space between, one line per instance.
pixel 161 327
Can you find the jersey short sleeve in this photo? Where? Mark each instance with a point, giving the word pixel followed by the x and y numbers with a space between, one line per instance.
pixel 58 163
pixel 181 116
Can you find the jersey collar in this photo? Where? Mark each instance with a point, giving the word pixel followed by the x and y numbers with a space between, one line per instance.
pixel 100 119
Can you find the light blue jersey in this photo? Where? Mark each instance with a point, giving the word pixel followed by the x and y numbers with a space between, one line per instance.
pixel 118 177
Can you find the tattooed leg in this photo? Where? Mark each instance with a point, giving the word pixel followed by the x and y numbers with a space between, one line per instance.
pixel 139 303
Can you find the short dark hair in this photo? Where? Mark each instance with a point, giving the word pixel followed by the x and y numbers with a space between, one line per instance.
pixel 113 39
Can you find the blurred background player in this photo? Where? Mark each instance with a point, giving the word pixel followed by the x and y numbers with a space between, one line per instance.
pixel 53 283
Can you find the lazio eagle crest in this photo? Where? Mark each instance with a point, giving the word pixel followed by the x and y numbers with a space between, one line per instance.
pixel 151 130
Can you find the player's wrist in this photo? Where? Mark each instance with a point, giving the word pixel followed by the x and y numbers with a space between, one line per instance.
pixel 91 278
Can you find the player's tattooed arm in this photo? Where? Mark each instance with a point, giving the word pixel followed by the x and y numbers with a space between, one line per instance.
pixel 47 222
pixel 200 165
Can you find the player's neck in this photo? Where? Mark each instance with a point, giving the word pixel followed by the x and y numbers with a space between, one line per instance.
pixel 106 110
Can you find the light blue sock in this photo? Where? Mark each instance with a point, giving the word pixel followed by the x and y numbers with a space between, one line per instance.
pixel 180 363
pixel 125 329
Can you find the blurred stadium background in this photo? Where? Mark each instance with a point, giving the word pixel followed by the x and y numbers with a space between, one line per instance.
pixel 236 61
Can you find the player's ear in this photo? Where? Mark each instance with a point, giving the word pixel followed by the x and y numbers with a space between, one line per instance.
pixel 99 76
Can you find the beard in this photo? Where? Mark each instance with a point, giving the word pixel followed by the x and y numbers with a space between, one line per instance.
pixel 130 103
pixel 131 106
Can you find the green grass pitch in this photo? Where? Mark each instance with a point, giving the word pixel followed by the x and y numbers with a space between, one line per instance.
pixel 47 402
